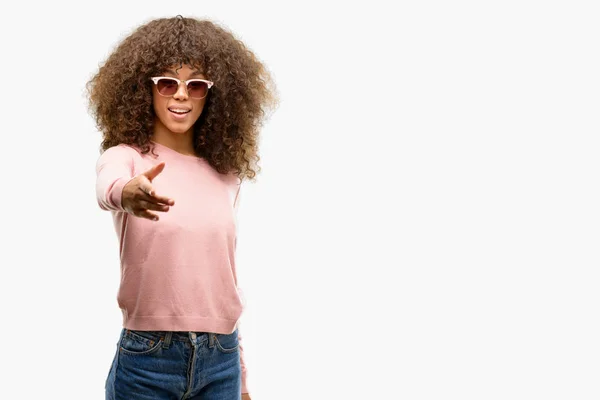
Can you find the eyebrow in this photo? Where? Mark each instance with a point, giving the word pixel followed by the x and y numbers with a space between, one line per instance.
pixel 192 74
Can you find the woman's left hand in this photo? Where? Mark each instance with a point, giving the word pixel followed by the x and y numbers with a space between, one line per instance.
pixel 246 396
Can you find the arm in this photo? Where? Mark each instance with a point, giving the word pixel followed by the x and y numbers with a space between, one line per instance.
pixel 114 169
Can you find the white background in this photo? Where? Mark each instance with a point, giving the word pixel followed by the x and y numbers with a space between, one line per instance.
pixel 425 225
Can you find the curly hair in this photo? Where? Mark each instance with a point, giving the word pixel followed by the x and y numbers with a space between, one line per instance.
pixel 226 133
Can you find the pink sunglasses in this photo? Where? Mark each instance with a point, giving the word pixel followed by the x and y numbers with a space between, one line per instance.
pixel 196 88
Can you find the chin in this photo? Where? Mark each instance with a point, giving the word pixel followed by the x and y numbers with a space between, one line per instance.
pixel 178 128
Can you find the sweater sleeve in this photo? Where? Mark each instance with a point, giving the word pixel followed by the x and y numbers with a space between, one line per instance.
pixel 114 169
pixel 245 389
pixel 243 364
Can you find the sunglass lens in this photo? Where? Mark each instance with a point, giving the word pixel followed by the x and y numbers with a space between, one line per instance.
pixel 197 89
pixel 167 87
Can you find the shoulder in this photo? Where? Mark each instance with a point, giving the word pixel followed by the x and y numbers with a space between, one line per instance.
pixel 233 179
pixel 124 149
pixel 120 154
pixel 120 151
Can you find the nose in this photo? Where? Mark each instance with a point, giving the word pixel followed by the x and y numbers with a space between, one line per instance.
pixel 181 93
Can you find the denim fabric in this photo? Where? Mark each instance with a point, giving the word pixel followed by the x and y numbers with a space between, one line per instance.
pixel 155 365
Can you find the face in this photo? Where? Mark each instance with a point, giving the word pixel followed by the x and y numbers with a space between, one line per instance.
pixel 177 114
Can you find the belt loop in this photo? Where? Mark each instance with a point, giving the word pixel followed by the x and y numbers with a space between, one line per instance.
pixel 211 340
pixel 167 341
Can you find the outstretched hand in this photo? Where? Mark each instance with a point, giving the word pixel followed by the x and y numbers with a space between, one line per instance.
pixel 139 197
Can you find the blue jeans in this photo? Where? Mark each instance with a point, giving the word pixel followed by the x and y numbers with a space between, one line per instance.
pixel 155 365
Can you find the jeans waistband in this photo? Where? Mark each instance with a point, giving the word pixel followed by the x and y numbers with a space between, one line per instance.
pixel 183 336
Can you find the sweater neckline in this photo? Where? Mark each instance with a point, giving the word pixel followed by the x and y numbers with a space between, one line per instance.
pixel 175 153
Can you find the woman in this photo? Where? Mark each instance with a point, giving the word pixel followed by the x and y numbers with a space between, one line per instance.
pixel 179 103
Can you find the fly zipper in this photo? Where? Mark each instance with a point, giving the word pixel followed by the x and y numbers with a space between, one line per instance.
pixel 191 366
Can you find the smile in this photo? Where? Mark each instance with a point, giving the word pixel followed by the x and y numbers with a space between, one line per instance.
pixel 176 111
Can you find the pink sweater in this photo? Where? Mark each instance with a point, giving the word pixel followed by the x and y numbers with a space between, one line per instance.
pixel 177 273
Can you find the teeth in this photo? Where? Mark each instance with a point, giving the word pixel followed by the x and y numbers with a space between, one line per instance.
pixel 179 111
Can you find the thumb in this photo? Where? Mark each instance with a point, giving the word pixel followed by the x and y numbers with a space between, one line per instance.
pixel 154 171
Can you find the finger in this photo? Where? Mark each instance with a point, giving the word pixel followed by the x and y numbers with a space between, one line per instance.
pixel 147 214
pixel 144 184
pixel 154 171
pixel 163 199
pixel 153 198
pixel 148 205
pixel 150 195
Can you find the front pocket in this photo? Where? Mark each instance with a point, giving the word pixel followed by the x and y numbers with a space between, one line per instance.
pixel 135 344
pixel 227 343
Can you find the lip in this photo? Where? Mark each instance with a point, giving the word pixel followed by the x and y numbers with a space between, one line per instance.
pixel 180 107
pixel 179 116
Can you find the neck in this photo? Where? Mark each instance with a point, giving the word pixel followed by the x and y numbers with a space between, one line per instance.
pixel 181 142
